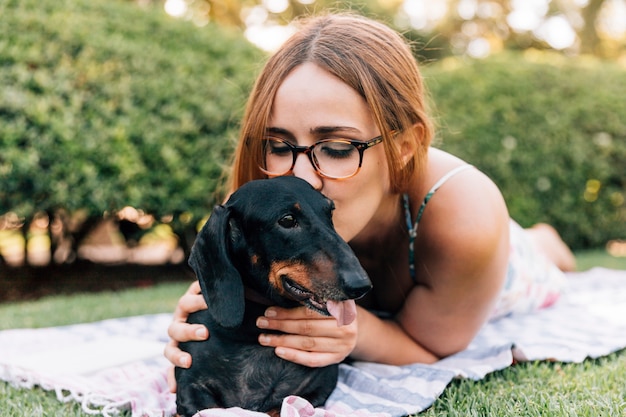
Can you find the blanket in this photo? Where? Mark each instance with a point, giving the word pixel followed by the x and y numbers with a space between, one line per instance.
pixel 117 364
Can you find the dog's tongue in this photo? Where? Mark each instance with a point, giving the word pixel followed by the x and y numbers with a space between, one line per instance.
pixel 343 311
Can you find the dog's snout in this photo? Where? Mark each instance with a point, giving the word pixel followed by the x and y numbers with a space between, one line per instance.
pixel 356 285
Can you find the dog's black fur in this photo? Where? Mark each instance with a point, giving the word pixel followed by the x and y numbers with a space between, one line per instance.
pixel 273 238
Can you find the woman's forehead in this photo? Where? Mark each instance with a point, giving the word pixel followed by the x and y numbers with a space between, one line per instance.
pixel 313 99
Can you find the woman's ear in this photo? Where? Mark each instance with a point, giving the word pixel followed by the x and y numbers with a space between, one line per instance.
pixel 407 142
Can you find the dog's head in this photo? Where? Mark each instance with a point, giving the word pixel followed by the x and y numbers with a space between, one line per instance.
pixel 277 237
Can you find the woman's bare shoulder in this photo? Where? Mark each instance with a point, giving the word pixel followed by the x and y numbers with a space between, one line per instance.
pixel 465 219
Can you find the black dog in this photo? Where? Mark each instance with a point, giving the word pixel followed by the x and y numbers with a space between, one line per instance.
pixel 272 243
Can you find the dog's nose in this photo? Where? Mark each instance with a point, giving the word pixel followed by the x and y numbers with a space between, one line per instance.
pixel 356 285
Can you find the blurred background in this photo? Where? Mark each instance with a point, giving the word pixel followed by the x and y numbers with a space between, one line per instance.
pixel 118 120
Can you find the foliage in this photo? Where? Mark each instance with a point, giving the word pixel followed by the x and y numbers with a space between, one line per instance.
pixel 549 130
pixel 105 104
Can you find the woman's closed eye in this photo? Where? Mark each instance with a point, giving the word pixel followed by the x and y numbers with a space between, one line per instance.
pixel 335 149
pixel 278 147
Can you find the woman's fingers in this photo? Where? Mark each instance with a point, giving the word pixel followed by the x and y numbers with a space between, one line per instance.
pixel 181 331
pixel 308 338
pixel 190 302
pixel 194 288
pixel 308 351
pixel 310 359
pixel 302 321
pixel 176 356
pixel 171 380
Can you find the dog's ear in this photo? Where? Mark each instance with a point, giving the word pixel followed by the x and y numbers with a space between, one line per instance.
pixel 220 281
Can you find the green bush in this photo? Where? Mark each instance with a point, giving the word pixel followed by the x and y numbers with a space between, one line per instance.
pixel 550 131
pixel 106 104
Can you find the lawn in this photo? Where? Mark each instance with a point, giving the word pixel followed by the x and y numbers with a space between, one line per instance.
pixel 593 388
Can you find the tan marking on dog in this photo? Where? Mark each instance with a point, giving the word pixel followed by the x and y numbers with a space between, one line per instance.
pixel 297 272
pixel 320 270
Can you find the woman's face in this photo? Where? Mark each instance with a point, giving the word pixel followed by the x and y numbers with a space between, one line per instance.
pixel 312 104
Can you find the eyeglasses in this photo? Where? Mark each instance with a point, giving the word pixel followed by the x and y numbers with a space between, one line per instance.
pixel 331 158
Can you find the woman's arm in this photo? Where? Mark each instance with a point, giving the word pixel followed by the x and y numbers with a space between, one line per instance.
pixel 462 252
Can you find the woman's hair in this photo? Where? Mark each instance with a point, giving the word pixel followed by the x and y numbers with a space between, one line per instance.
pixel 370 57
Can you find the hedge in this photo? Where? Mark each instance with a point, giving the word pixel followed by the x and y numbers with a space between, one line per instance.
pixel 549 130
pixel 106 104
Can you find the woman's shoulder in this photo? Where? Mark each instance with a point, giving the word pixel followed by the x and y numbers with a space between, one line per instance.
pixel 464 229
pixel 443 168
pixel 465 204
pixel 440 162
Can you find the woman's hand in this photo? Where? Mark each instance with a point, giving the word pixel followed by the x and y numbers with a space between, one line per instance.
pixel 311 339
pixel 181 331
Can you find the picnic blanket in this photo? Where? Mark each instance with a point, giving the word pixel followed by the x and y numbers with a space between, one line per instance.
pixel 117 364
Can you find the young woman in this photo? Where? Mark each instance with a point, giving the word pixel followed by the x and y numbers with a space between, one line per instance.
pixel 342 105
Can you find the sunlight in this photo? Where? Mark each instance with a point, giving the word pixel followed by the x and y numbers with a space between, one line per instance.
pixel 479 48
pixel 276 6
pixel 423 13
pixel 612 19
pixel 467 9
pixel 557 32
pixel 527 15
pixel 269 36
pixel 175 8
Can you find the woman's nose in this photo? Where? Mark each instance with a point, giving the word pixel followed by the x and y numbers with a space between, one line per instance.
pixel 303 168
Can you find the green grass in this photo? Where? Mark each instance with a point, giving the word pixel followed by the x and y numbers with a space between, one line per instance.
pixel 588 259
pixel 82 308
pixel 593 388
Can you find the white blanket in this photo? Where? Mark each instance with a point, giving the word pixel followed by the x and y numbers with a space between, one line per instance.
pixel 118 364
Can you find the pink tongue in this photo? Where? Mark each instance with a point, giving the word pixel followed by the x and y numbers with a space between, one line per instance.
pixel 343 311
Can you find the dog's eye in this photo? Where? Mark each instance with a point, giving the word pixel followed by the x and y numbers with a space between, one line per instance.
pixel 288 221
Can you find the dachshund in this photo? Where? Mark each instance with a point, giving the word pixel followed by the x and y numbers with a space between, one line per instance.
pixel 272 243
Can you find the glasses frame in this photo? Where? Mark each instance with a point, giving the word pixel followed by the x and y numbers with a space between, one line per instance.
pixel 308 151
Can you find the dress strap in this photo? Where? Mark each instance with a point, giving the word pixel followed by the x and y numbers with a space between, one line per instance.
pixel 412 227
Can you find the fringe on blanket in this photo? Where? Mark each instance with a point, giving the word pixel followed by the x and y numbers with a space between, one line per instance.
pixel 107 366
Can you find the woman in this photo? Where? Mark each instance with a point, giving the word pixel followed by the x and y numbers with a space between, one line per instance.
pixel 342 105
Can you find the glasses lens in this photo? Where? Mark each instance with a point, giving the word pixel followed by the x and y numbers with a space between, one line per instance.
pixel 336 158
pixel 278 156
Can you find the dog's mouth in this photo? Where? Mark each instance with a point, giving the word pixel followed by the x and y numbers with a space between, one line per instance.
pixel 301 294
pixel 343 311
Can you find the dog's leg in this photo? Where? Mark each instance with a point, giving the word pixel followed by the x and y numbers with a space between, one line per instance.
pixel 189 396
